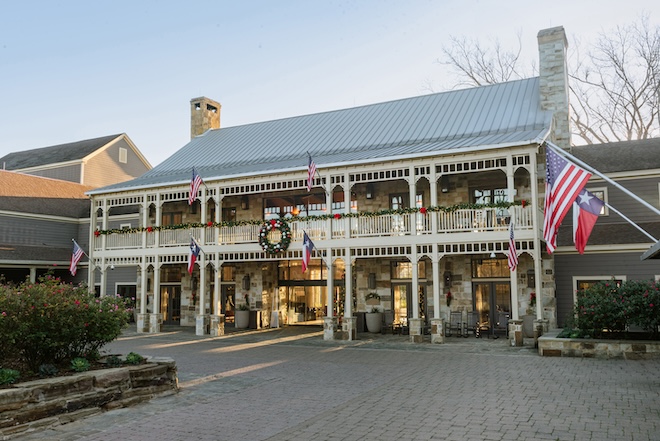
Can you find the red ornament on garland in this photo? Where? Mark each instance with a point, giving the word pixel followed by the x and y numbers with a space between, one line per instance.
pixel 273 222
pixel 150 229
pixel 97 233
pixel 337 216
pixel 209 224
pixel 422 210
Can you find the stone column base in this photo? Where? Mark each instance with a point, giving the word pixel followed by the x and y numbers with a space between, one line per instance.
pixel 329 328
pixel 437 330
pixel 217 326
pixel 142 323
pixel 349 328
pixel 516 332
pixel 540 328
pixel 415 327
pixel 155 323
pixel 202 324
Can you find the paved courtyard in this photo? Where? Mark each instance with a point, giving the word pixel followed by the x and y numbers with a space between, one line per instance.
pixel 289 384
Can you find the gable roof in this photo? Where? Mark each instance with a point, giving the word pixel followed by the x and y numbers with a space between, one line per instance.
pixel 491 116
pixel 14 184
pixel 55 154
pixel 642 154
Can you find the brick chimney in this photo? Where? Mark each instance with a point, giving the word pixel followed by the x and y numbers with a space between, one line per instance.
pixel 553 75
pixel 204 115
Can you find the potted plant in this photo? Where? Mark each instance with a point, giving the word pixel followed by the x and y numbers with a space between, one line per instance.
pixel 242 314
pixel 374 315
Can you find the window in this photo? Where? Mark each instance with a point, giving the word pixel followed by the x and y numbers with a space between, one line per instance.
pixel 123 155
pixel 126 226
pixel 490 268
pixel 174 218
pixel 228 214
pixel 584 282
pixel 403 270
pixel 601 193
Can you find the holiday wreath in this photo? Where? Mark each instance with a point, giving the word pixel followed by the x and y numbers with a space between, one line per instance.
pixel 285 236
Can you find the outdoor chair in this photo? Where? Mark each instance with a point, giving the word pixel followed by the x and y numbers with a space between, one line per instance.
pixel 472 324
pixel 455 323
pixel 501 324
pixel 388 322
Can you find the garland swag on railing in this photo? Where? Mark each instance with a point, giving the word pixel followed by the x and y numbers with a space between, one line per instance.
pixel 211 224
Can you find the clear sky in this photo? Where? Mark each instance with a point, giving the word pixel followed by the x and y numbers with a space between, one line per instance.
pixel 74 70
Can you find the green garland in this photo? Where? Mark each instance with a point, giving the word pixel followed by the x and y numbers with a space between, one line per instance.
pixel 278 247
pixel 210 224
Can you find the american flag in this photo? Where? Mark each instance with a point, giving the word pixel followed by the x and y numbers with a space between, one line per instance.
pixel 564 181
pixel 311 171
pixel 195 182
pixel 512 254
pixel 75 258
pixel 194 254
pixel 307 248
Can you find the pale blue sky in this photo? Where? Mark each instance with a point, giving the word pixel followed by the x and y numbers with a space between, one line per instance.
pixel 73 70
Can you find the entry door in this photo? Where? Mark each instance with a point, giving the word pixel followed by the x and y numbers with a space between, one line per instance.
pixel 401 302
pixel 492 301
pixel 170 304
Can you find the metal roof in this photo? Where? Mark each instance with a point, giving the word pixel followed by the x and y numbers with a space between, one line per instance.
pixel 496 115
pixel 54 154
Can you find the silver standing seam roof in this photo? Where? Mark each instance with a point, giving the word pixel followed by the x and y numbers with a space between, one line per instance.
pixel 505 114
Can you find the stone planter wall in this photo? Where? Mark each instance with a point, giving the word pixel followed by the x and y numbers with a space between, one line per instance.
pixel 551 346
pixel 39 404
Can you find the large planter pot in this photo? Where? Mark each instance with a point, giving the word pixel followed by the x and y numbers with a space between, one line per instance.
pixel 528 325
pixel 242 319
pixel 374 321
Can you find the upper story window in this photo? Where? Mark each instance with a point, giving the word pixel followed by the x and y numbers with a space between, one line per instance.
pixel 123 155
pixel 174 218
pixel 601 193
pixel 484 268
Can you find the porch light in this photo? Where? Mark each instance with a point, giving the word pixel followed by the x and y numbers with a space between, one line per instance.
pixel 493 255
pixel 370 191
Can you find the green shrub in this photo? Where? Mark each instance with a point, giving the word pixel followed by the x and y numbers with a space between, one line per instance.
pixel 48 370
pixel 606 307
pixel 80 364
pixel 113 361
pixel 52 322
pixel 9 376
pixel 133 358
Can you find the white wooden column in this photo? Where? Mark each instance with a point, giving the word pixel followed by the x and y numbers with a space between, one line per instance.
pixel 415 285
pixel 536 228
pixel 348 295
pixel 330 284
pixel 143 286
pixel 437 278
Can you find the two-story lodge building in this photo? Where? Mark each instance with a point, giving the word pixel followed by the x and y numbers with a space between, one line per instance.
pixel 412 200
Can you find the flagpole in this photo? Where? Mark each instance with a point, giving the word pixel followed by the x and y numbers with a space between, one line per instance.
pixel 586 166
pixel 630 222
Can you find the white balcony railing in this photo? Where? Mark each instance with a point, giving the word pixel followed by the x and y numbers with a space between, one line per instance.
pixel 465 220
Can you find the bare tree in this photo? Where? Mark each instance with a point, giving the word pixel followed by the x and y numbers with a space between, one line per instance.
pixel 615 92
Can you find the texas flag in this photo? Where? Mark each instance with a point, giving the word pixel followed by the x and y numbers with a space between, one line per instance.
pixel 307 248
pixel 586 210
pixel 194 254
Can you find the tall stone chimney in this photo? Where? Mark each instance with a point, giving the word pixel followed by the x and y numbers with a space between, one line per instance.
pixel 553 74
pixel 204 115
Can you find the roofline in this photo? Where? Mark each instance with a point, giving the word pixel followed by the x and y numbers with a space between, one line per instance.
pixel 114 141
pixel 49 166
pixel 538 140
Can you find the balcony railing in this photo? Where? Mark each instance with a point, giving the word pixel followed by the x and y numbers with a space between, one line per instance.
pixel 464 220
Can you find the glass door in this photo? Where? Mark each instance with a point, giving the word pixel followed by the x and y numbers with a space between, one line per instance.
pixel 401 298
pixel 228 305
pixel 492 301
pixel 170 304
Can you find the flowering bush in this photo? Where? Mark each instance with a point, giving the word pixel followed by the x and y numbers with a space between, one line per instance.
pixel 52 322
pixel 608 307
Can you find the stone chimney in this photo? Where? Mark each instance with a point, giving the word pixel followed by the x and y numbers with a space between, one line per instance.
pixel 553 74
pixel 204 115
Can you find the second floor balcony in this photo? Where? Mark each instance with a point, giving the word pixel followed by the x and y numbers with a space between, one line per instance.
pixel 446 223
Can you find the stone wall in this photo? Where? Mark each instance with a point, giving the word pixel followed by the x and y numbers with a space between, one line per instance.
pixel 39 404
pixel 551 346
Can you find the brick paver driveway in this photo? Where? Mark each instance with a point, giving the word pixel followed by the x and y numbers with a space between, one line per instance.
pixel 289 384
